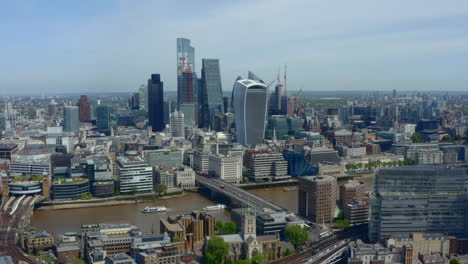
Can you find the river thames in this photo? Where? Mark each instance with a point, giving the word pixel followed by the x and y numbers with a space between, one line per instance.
pixel 60 221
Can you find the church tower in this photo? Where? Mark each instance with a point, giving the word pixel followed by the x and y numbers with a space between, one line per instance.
pixel 248 225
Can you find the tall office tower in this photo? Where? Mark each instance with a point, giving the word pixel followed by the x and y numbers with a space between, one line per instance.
pixel 187 81
pixel 156 103
pixel 250 106
pixel 420 198
pixel 394 93
pixel 71 119
pixel 317 198
pixel 185 56
pixel 134 101
pixel 177 124
pixel 187 88
pixel 10 116
pixel 211 90
pixel 143 96
pixel 106 118
pixel 84 108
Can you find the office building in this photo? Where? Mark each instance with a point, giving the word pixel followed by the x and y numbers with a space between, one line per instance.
pixel 187 82
pixel 69 188
pixel 317 198
pixel 164 176
pixel 211 90
pixel 156 103
pixel 184 177
pixel 164 157
pixel 356 212
pixel 267 165
pixel 298 165
pixel 190 112
pixel 226 168
pixel 323 154
pixel 120 258
pixel 71 119
pixel 201 160
pixel 106 118
pixel 85 110
pixel 250 107
pixel 420 198
pixel 177 124
pixel 135 175
pixel 351 190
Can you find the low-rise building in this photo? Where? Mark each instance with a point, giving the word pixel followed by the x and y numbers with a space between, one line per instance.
pixel 120 258
pixel 184 177
pixel 356 212
pixel 69 188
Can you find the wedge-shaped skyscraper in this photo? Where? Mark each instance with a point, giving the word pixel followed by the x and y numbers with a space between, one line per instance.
pixel 250 98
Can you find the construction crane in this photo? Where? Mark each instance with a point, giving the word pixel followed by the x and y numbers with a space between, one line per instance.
pixel 299 92
pixel 268 86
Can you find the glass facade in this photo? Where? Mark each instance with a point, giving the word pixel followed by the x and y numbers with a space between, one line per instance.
pixel 156 103
pixel 106 118
pixel 250 106
pixel 71 119
pixel 422 198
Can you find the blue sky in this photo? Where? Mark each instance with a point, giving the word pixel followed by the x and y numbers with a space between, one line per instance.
pixel 111 45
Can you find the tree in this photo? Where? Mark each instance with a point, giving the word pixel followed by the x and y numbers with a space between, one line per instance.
pixel 257 259
pixel 454 261
pixel 229 228
pixel 242 261
pixel 342 224
pixel 218 226
pixel 161 189
pixel 134 190
pixel 216 250
pixel 177 239
pixel 296 234
pixel 288 252
pixel 340 215
pixel 417 138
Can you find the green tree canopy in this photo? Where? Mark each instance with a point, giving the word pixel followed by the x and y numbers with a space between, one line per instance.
pixel 417 138
pixel 288 252
pixel 454 261
pixel 161 189
pixel 296 234
pixel 342 224
pixel 257 259
pixel 229 228
pixel 242 261
pixel 216 250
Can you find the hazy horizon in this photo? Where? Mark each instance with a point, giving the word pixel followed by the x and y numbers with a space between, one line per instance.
pixel 114 46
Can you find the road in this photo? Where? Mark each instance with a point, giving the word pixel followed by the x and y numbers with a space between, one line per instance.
pixel 237 193
pixel 9 225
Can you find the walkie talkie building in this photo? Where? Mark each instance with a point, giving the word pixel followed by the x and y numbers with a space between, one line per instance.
pixel 250 106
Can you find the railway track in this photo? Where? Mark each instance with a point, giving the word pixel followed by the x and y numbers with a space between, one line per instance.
pixel 9 226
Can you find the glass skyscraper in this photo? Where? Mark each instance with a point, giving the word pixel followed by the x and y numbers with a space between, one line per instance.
pixel 211 90
pixel 156 103
pixel 106 118
pixel 71 119
pixel 187 81
pixel 250 107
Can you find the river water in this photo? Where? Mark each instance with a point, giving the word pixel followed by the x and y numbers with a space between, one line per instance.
pixel 60 221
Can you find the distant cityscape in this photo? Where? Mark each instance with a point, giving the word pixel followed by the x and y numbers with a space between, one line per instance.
pixel 259 172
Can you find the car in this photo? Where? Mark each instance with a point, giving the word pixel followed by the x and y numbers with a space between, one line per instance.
pixel 222 186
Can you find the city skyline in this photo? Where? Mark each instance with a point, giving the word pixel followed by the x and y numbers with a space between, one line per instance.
pixel 105 46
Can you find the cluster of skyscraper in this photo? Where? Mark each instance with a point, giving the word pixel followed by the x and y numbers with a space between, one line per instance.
pixel 199 100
